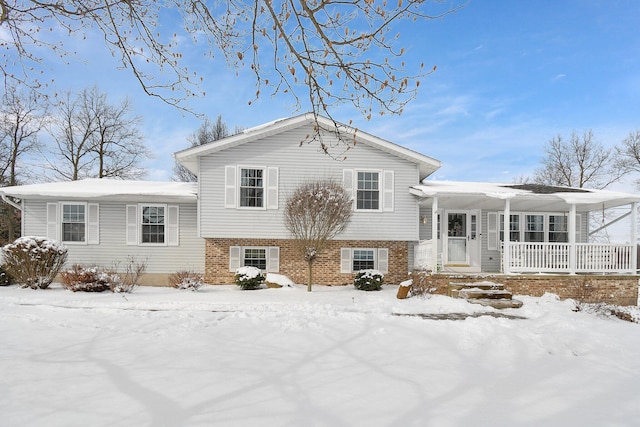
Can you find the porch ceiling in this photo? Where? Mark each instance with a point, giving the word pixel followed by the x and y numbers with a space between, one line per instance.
pixel 491 196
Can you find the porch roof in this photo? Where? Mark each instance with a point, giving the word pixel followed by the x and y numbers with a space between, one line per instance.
pixel 523 197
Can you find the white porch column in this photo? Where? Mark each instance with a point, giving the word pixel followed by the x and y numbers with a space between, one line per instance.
pixel 434 234
pixel 572 239
pixel 634 237
pixel 506 256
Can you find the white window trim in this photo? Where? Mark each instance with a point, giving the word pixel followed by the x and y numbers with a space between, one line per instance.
pixel 346 257
pixel 141 207
pixel 522 224
pixel 380 189
pixel 60 229
pixel 265 188
pixel 237 257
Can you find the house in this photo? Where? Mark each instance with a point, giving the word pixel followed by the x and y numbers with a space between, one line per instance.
pixel 233 215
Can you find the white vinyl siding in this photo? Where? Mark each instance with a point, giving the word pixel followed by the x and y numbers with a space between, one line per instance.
pixel 113 248
pixel 222 218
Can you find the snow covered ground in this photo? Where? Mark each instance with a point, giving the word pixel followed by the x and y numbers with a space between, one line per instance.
pixel 285 357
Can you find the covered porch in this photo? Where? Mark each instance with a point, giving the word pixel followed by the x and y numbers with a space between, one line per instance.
pixel 548 229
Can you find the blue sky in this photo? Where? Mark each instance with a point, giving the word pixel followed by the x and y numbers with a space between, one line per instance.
pixel 510 76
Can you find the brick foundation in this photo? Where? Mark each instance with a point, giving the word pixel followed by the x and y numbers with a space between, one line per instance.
pixel 618 290
pixel 326 269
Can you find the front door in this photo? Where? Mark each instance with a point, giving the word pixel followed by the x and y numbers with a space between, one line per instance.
pixel 463 239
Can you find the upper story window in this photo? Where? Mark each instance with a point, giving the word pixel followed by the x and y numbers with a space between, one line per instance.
pixel 74 222
pixel 368 191
pixel 153 224
pixel 252 188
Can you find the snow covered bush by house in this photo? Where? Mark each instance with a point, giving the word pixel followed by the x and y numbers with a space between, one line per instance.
pixel 186 280
pixel 368 280
pixel 33 262
pixel 249 277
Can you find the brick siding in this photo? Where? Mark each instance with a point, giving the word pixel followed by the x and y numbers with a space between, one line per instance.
pixel 326 268
pixel 618 290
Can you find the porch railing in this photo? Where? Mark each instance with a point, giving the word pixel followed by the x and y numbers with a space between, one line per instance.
pixel 528 257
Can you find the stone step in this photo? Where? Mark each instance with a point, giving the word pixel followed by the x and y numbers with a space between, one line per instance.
pixel 475 293
pixel 497 303
pixel 455 288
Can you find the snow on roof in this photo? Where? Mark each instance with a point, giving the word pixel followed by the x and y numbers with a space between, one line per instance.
pixel 106 188
pixel 503 191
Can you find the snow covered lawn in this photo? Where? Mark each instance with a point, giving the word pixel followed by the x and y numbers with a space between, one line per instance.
pixel 285 357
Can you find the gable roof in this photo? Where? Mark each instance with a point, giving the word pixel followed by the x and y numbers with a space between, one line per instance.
pixel 524 197
pixel 106 189
pixel 189 157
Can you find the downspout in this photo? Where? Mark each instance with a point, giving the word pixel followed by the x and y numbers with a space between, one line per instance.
pixel 10 202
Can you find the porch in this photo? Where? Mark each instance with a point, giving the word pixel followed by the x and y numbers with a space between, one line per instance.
pixel 521 228
pixel 530 257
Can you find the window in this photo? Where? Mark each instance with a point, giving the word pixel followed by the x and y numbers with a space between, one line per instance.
pixel 368 195
pixel 266 258
pixel 73 222
pixel 534 228
pixel 558 229
pixel 251 188
pixel 514 228
pixel 363 259
pixel 255 257
pixel 153 224
pixel 356 259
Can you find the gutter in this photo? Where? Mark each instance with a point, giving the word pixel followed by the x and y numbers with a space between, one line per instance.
pixel 10 202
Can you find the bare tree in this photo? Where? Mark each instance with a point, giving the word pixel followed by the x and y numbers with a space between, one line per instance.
pixel 579 162
pixel 93 138
pixel 206 133
pixel 314 214
pixel 333 51
pixel 22 117
pixel 629 154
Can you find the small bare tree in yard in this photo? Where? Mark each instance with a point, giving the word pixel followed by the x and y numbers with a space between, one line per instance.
pixel 315 213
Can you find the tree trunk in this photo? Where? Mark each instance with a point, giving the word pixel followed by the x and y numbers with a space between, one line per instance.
pixel 310 278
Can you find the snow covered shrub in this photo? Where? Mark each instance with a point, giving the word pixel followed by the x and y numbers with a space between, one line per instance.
pixel 368 280
pixel 249 278
pixel 126 280
pixel 422 284
pixel 33 262
pixel 85 279
pixel 4 277
pixel 186 280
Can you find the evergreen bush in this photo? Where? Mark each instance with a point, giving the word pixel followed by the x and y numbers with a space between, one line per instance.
pixel 368 280
pixel 249 278
pixel 33 262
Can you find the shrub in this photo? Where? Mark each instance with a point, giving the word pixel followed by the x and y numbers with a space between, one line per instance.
pixel 423 284
pixel 368 280
pixel 249 278
pixel 33 262
pixel 186 280
pixel 126 280
pixel 4 277
pixel 90 279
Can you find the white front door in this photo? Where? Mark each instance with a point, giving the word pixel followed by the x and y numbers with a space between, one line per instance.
pixel 463 238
